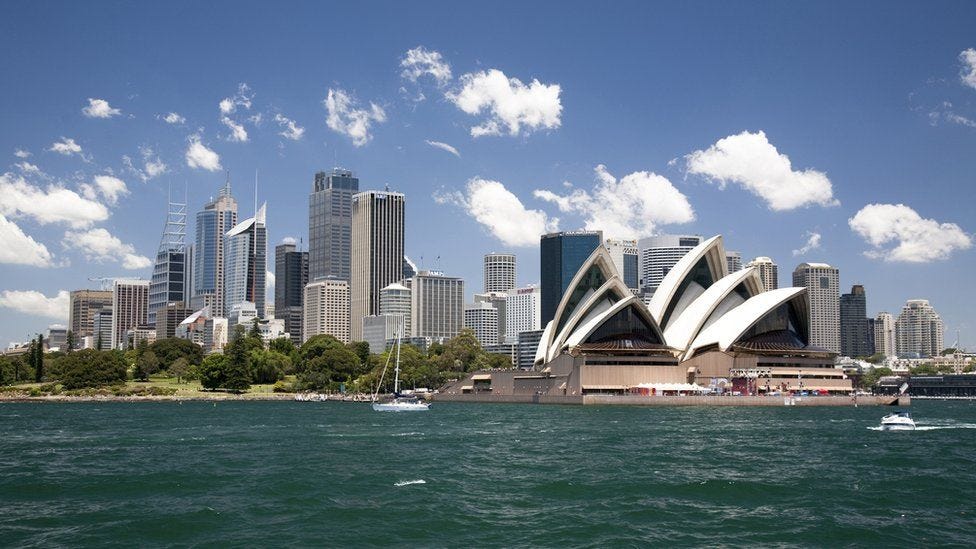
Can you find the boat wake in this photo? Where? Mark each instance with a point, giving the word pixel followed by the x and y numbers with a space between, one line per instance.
pixel 934 427
pixel 409 482
pixel 410 434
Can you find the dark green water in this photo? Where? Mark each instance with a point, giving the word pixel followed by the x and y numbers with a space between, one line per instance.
pixel 284 473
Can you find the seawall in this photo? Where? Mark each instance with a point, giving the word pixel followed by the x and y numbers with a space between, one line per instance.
pixel 638 400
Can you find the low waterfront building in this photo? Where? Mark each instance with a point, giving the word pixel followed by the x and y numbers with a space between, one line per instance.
pixel 201 328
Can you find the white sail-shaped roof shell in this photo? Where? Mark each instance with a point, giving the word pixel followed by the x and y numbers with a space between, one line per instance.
pixel 683 329
pixel 728 329
pixel 589 325
pixel 712 251
pixel 594 304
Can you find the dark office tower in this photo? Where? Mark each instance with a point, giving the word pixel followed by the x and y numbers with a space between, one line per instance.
pixel 169 280
pixel 330 224
pixel 216 218
pixel 291 276
pixel 561 255
pixel 855 339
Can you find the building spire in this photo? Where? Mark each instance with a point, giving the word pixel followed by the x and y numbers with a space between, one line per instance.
pixel 225 191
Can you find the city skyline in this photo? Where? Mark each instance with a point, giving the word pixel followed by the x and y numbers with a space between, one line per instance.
pixel 89 161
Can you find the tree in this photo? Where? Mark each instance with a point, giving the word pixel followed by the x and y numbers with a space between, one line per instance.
pixel 282 345
pixel 315 347
pixel 327 370
pixel 146 365
pixel 39 359
pixel 268 366
pixel 170 349
pixel 237 368
pixel 91 368
pixel 212 371
pixel 461 353
pixel 69 341
pixel 180 368
pixel 361 349
pixel 98 343
pixel 254 331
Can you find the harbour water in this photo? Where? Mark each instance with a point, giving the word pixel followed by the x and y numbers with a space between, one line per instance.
pixel 291 473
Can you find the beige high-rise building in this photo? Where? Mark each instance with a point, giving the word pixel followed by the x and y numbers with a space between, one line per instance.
pixel 823 288
pixel 885 340
pixel 377 252
pixel 81 311
pixel 919 330
pixel 130 308
pixel 437 307
pixel 499 272
pixel 395 300
pixel 768 272
pixel 326 309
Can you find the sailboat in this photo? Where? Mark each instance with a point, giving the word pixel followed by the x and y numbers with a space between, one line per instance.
pixel 398 402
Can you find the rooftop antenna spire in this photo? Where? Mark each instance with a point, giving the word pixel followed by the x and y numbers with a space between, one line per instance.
pixel 255 192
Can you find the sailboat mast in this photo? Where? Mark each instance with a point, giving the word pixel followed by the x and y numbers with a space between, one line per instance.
pixel 396 372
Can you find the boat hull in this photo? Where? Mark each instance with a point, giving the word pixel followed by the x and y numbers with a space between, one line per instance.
pixel 401 406
pixel 897 427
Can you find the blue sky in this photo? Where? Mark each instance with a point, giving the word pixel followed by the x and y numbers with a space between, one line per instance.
pixel 766 122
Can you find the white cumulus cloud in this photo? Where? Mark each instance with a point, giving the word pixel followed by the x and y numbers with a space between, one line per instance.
pixel 750 160
pixel 21 153
pixel 51 205
pixel 269 282
pixel 18 248
pixel 199 156
pixel 66 146
pixel 898 233
pixel 509 105
pixel 812 243
pixel 237 131
pixel 109 187
pixel 444 147
pixel 420 61
pixel 501 212
pixel 632 207
pixel 968 74
pixel 35 303
pixel 289 128
pixel 27 168
pixel 289 240
pixel 242 98
pixel 101 246
pixel 99 108
pixel 173 118
pixel 153 166
pixel 346 117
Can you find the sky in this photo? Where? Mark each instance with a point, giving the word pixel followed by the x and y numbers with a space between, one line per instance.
pixel 807 132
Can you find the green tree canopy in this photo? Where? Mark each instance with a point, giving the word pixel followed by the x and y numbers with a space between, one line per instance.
pixel 237 369
pixel 269 366
pixel 212 371
pixel 147 364
pixel 180 368
pixel 169 349
pixel 91 368
pixel 334 365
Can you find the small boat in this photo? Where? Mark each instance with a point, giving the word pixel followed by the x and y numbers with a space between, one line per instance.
pixel 398 402
pixel 898 421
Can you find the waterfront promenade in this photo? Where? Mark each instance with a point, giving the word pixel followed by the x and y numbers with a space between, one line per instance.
pixel 641 400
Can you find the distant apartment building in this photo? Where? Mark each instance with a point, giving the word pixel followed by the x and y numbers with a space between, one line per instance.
pixel 395 301
pixel 885 337
pixel 733 261
pixel 102 329
pixel 437 305
pixel 768 272
pixel 130 308
pixel 626 257
pixel 83 304
pixel 482 319
pixel 919 330
pixel 823 289
pixel 499 272
pixel 169 317
pixel 659 254
pixel 326 309
pixel 528 344
pixel 523 312
pixel 207 331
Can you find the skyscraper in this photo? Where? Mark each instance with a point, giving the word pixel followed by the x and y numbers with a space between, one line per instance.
pixel 498 301
pixel 768 272
pixel 561 255
pixel 102 329
pixel 246 262
pixel 658 254
pixel 523 312
pixel 482 318
pixel 330 224
pixel 82 307
pixel 499 272
pixel 437 305
pixel 919 330
pixel 291 276
pixel 170 274
pixel 855 340
pixel 395 301
pixel 885 337
pixel 733 260
pixel 823 288
pixel 626 257
pixel 130 308
pixel 169 318
pixel 216 218
pixel 326 309
pixel 377 252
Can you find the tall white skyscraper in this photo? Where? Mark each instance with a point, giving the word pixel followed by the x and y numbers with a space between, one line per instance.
pixel 626 258
pixel 437 305
pixel 499 272
pixel 523 312
pixel 919 330
pixel 823 287
pixel 658 254
pixel 885 338
pixel 130 308
pixel 482 318
pixel 377 252
pixel 326 309
pixel 246 262
pixel 768 272
pixel 216 218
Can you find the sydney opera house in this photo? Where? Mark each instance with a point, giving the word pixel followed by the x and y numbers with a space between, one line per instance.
pixel 705 330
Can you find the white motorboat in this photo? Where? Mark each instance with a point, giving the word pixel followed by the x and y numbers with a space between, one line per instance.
pixel 398 402
pixel 898 421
